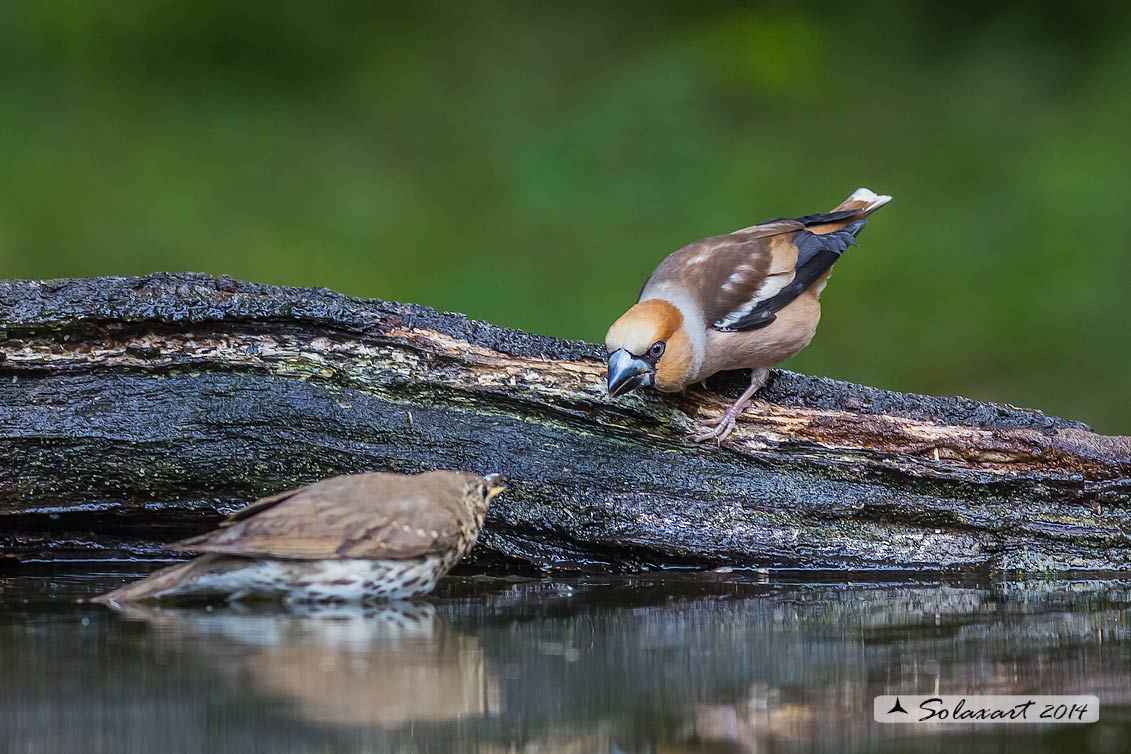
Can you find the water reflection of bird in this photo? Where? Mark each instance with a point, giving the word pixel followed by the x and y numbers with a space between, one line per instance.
pixel 384 666
pixel 760 722
pixel 350 538
pixel 714 729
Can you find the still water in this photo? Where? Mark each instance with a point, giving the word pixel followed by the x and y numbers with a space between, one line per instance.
pixel 678 663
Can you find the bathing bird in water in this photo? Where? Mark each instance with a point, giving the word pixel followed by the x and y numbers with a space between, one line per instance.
pixel 745 300
pixel 347 539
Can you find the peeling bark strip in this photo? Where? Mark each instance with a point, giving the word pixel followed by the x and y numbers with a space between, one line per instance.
pixel 135 411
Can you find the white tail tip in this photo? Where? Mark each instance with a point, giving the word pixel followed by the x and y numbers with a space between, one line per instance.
pixel 875 201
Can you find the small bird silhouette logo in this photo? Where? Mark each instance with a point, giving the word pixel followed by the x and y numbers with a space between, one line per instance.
pixel 898 708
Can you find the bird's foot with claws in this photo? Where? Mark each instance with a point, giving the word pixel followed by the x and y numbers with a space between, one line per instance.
pixel 724 425
pixel 721 426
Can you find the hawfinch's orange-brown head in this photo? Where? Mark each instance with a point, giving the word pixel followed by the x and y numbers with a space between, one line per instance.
pixel 648 347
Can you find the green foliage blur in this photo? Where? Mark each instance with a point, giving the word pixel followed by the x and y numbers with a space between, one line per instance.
pixel 528 163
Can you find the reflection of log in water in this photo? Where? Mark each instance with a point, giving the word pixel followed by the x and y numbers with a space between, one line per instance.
pixel 134 411
pixel 675 665
pixel 690 664
pixel 693 662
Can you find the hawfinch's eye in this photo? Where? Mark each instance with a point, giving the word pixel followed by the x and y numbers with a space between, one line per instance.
pixel 657 349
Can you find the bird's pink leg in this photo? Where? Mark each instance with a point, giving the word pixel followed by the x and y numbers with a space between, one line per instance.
pixel 724 425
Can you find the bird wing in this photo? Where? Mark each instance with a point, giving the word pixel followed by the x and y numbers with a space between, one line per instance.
pixel 363 516
pixel 813 254
pixel 742 279
pixel 726 272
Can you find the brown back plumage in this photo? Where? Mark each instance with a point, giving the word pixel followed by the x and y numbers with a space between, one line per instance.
pixel 375 516
pixel 726 273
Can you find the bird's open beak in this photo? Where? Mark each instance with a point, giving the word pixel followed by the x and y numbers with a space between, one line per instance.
pixel 494 485
pixel 628 372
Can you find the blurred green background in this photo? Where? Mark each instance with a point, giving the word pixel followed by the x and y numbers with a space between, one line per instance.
pixel 529 163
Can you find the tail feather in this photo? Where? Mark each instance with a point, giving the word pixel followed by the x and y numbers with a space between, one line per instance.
pixel 863 201
pixel 162 582
pixel 853 211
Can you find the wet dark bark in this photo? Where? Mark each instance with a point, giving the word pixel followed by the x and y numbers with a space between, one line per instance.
pixel 135 411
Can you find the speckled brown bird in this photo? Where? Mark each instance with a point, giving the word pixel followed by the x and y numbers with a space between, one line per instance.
pixel 346 539
pixel 745 300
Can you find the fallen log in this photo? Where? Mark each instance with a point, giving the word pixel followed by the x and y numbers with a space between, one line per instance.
pixel 135 411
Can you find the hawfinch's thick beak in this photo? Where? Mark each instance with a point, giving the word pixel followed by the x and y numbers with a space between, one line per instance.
pixel 628 372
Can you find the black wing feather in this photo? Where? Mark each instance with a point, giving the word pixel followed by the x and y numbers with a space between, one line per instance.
pixel 818 219
pixel 816 253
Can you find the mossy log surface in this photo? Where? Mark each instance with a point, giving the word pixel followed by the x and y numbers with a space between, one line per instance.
pixel 135 411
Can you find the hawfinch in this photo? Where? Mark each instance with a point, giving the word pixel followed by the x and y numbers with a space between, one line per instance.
pixel 746 300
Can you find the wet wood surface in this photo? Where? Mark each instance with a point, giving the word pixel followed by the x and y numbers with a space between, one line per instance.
pixel 137 411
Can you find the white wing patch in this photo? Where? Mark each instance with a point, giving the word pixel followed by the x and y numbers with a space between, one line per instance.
pixel 739 278
pixel 769 288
